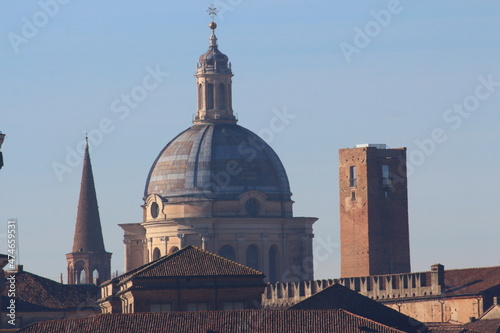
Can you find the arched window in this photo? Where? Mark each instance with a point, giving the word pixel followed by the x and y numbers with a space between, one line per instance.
pixel 80 274
pixel 227 251
pixel 173 249
pixel 273 264
pixel 253 257
pixel 221 96
pixel 156 253
pixel 95 274
pixel 210 96
pixel 200 96
pixel 80 277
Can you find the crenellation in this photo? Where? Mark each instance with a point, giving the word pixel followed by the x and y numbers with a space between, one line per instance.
pixel 390 286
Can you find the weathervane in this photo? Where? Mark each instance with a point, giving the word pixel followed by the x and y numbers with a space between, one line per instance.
pixel 212 11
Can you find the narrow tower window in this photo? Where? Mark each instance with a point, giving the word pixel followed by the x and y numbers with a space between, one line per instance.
pixel 221 94
pixel 386 177
pixel 200 96
pixel 210 96
pixel 352 176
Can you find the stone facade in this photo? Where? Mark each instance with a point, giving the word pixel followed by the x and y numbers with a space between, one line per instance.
pixel 373 211
pixel 282 247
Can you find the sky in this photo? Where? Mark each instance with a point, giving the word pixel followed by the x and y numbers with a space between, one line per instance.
pixel 418 74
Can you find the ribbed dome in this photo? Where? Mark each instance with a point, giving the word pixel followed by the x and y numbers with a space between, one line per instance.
pixel 217 161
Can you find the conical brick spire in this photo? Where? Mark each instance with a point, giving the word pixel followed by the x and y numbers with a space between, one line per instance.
pixel 88 232
pixel 89 262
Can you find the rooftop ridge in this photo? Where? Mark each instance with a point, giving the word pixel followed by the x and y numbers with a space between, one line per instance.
pixel 470 268
pixel 232 261
pixel 161 260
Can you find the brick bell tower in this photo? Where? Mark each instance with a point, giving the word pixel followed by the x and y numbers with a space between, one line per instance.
pixel 88 262
pixel 373 211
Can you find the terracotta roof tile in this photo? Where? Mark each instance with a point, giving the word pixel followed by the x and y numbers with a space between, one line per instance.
pixel 191 261
pixel 36 293
pixel 448 328
pixel 471 280
pixel 485 325
pixel 241 321
pixel 340 297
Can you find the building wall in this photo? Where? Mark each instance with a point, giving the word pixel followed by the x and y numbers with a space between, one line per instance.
pixel 213 225
pixel 440 309
pixel 179 293
pixel 373 212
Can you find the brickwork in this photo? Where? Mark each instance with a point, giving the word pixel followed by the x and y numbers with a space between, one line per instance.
pixel 391 286
pixel 437 295
pixel 88 262
pixel 373 211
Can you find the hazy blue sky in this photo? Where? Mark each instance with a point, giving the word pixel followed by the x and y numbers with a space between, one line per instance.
pixel 420 74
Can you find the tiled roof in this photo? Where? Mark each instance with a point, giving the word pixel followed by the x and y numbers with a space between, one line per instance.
pixel 448 328
pixel 192 261
pixel 340 297
pixel 471 280
pixel 241 321
pixel 478 326
pixel 485 325
pixel 36 293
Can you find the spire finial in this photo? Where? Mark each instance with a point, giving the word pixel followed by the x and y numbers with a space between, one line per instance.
pixel 86 140
pixel 212 11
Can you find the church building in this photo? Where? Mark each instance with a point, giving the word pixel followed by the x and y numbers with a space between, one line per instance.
pixel 220 187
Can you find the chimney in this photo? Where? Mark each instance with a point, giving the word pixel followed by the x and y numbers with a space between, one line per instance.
pixel 495 300
pixel 437 278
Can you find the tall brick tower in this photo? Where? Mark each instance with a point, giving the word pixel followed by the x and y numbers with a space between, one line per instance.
pixel 89 260
pixel 373 211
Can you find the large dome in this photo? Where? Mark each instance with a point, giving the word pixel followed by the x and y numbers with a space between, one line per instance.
pixel 217 161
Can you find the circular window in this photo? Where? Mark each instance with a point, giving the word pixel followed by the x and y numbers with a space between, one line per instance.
pixel 154 210
pixel 252 206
